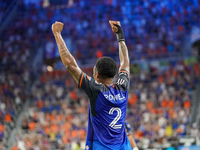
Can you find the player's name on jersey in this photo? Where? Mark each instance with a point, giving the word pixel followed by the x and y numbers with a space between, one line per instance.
pixel 114 97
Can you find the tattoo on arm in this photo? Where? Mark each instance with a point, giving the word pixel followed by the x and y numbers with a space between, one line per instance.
pixel 62 47
pixel 123 55
pixel 123 47
pixel 67 59
pixel 63 51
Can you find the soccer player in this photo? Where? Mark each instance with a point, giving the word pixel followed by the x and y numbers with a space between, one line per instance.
pixel 130 137
pixel 108 100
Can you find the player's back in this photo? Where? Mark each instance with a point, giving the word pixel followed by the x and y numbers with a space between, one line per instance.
pixel 108 124
pixel 108 105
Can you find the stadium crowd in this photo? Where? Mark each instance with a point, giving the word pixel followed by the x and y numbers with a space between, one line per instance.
pixel 158 109
pixel 15 79
pixel 153 29
pixel 160 106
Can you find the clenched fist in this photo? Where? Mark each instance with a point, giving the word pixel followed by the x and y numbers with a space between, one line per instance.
pixel 57 27
pixel 114 28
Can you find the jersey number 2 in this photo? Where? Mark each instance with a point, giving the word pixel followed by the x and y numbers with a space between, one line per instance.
pixel 113 123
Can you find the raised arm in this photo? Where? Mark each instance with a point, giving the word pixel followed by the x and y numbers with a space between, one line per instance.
pixel 123 56
pixel 123 51
pixel 66 57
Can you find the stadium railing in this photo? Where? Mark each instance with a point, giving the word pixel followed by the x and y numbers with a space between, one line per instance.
pixel 195 118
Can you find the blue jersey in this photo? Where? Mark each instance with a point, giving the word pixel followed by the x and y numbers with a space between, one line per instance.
pixel 107 112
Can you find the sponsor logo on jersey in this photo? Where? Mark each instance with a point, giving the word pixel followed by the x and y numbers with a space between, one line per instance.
pixel 87 147
pixel 89 78
pixel 120 81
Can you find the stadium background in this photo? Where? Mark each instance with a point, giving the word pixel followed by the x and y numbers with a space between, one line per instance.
pixel 41 107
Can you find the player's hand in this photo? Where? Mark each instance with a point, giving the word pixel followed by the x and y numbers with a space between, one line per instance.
pixel 114 28
pixel 57 27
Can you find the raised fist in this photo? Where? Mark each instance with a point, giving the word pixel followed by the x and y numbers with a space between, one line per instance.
pixel 114 28
pixel 57 27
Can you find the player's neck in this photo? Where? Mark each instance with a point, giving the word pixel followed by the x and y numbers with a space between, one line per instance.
pixel 107 81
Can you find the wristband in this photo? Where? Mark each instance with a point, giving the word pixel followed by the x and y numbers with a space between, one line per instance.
pixel 120 33
pixel 135 148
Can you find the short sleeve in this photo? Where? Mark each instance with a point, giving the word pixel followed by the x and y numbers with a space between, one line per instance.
pixel 91 88
pixel 88 84
pixel 122 80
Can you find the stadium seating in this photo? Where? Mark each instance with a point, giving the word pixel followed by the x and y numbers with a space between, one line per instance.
pixel 160 100
pixel 158 108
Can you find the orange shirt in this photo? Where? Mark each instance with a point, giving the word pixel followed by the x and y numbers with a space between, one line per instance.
pixel 14 148
pixel 149 105
pixel 81 110
pixel 174 73
pixel 153 111
pixel 67 125
pixel 171 113
pixel 54 128
pixel 40 103
pixel 74 134
pixel 179 130
pixel 164 103
pixel 133 99
pixel 1 128
pixel 159 111
pixel 47 130
pixel 28 143
pixel 82 134
pixel 60 117
pixel 31 126
pixel 64 139
pixel 52 117
pixel 138 134
pixel 160 79
pixel 69 117
pixel 187 104
pixel 8 118
pixel 99 54
pixel 171 104
pixel 73 95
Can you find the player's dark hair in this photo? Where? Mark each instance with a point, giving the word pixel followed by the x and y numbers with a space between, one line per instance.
pixel 106 67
